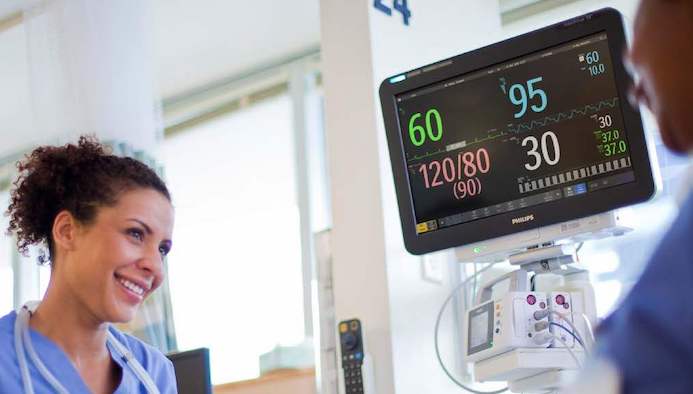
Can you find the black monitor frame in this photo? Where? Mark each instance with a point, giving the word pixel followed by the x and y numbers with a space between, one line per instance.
pixel 201 356
pixel 606 20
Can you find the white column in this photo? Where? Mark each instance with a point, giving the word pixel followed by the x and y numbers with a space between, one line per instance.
pixel 375 279
pixel 357 240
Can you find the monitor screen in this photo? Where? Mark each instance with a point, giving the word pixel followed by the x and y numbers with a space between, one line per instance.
pixel 192 371
pixel 480 335
pixel 531 131
pixel 525 132
pixel 479 329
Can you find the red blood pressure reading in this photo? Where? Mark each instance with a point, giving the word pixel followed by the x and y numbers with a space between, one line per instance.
pixel 460 171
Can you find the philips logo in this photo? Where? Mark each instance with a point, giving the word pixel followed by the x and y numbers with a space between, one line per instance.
pixel 523 219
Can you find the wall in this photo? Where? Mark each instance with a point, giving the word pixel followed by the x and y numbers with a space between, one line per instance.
pixel 76 67
pixel 15 113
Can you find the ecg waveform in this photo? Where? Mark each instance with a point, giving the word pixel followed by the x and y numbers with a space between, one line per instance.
pixel 567 115
pixel 427 155
pixel 588 109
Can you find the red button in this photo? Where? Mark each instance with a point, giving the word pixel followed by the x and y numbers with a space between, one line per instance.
pixel 531 300
pixel 560 300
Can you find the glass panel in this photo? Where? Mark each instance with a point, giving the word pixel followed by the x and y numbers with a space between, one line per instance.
pixel 235 268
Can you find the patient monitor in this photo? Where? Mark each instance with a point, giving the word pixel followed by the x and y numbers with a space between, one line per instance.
pixel 517 151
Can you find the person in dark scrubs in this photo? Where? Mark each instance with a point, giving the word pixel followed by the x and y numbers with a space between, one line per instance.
pixel 649 338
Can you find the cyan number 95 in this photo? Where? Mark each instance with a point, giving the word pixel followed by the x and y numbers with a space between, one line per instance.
pixel 520 96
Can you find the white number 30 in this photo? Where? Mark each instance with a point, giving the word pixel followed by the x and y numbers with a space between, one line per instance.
pixel 545 154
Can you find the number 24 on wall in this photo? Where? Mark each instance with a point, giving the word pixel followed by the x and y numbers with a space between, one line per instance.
pixel 398 5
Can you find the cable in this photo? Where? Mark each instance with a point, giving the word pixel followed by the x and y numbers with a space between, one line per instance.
pixel 580 245
pixel 435 338
pixel 572 326
pixel 569 332
pixel 566 347
pixel 21 356
pixel 590 331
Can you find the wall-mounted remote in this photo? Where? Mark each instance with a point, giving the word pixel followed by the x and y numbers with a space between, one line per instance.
pixel 351 342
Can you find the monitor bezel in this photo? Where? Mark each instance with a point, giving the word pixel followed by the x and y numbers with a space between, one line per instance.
pixel 607 20
pixel 198 354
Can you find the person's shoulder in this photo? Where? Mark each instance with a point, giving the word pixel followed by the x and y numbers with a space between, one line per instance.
pixel 149 356
pixel 9 370
pixel 682 229
pixel 687 208
pixel 7 328
pixel 7 323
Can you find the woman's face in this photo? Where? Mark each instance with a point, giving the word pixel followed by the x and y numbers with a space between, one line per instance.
pixel 662 56
pixel 116 261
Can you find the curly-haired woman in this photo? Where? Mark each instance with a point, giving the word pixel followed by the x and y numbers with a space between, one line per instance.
pixel 106 222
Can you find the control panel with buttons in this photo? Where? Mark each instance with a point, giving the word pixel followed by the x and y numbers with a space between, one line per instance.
pixel 351 343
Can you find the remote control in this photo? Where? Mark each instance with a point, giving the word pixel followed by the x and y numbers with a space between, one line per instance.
pixel 351 341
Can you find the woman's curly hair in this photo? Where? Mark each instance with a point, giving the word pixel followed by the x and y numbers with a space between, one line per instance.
pixel 78 178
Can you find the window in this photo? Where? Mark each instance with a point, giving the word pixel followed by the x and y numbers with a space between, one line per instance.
pixel 235 268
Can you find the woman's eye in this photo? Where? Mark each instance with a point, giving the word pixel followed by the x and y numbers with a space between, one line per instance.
pixel 164 250
pixel 136 233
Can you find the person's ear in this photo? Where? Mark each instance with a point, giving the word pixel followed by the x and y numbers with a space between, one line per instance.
pixel 65 228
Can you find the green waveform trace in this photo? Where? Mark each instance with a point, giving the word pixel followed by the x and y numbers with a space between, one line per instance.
pixel 428 155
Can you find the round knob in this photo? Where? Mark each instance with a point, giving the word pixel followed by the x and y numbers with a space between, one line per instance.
pixel 350 341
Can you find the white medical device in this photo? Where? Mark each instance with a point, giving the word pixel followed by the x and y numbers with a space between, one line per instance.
pixel 561 321
pixel 530 334
pixel 498 326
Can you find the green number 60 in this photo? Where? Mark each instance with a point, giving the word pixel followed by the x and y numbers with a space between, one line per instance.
pixel 418 134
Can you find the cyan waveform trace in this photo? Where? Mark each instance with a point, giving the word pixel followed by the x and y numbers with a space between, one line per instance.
pixel 567 115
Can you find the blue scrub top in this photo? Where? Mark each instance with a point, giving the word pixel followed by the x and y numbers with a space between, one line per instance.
pixel 650 337
pixel 154 362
